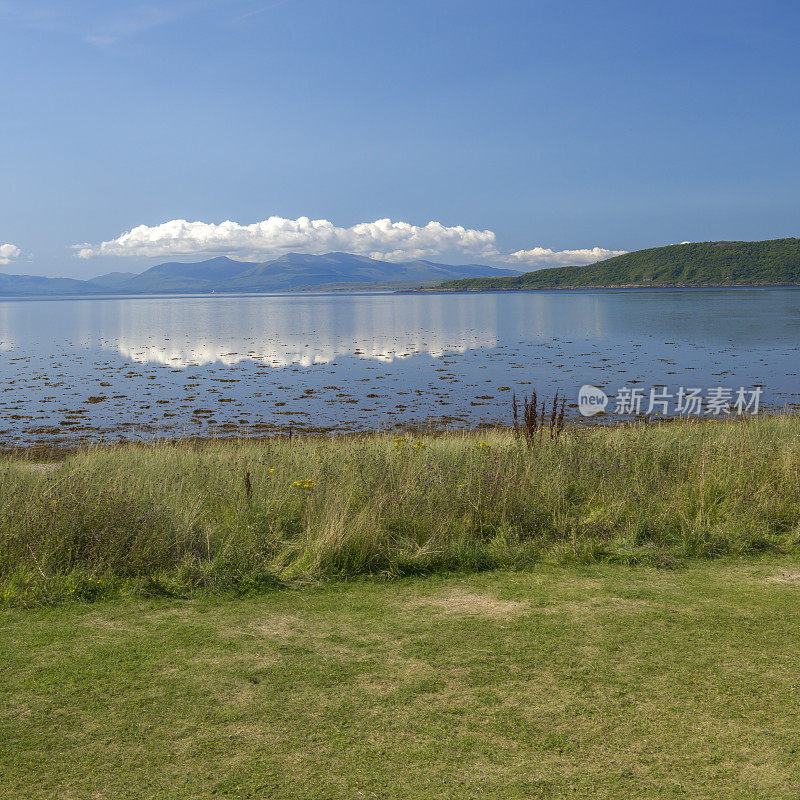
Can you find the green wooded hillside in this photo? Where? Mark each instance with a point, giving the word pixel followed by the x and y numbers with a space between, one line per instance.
pixel 775 261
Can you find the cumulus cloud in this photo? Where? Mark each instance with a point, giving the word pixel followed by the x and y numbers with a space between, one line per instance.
pixel 9 252
pixel 545 257
pixel 383 239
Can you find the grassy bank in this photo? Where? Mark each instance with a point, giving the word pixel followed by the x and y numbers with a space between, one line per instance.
pixel 182 518
pixel 775 262
pixel 595 681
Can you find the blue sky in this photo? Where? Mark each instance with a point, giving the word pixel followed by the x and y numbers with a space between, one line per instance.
pixel 555 126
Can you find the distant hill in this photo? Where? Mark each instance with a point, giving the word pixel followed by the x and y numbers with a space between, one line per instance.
pixel 768 263
pixel 177 276
pixel 292 272
pixel 25 285
pixel 297 270
pixel 773 262
pixel 112 279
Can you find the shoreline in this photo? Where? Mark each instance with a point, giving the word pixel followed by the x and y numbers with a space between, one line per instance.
pixel 610 287
pixel 385 289
pixel 33 450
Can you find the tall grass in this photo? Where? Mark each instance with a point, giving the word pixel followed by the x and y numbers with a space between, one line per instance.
pixel 229 515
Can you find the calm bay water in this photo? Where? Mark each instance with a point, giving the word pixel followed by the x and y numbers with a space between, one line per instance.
pixel 99 369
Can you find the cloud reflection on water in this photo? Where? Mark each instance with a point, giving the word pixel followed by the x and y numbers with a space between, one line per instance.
pixel 298 331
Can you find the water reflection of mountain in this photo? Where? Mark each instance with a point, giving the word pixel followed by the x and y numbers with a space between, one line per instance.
pixel 281 331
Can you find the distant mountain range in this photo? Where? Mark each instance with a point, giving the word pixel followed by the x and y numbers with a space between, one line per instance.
pixel 774 262
pixel 292 272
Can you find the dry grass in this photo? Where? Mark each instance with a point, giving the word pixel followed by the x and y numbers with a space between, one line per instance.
pixel 463 602
pixel 785 576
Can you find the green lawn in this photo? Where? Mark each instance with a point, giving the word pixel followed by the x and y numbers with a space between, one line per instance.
pixel 599 681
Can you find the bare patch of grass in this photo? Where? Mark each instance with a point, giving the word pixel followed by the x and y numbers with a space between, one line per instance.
pixel 595 605
pixel 462 602
pixel 785 576
pixel 282 626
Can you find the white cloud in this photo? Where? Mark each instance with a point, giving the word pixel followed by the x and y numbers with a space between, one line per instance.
pixel 100 24
pixel 255 12
pixel 8 252
pixel 135 20
pixel 383 239
pixel 545 257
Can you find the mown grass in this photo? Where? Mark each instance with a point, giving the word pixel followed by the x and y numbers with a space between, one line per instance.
pixel 589 681
pixel 182 518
